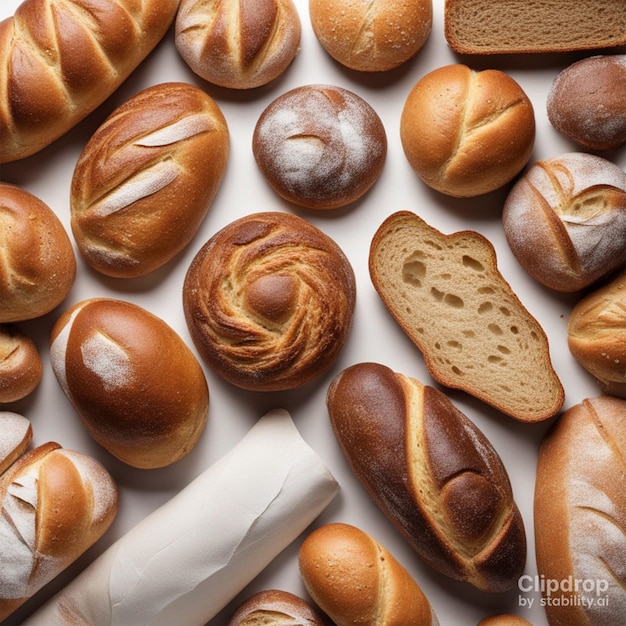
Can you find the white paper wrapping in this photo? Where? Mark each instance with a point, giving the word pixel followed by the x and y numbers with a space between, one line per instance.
pixel 183 563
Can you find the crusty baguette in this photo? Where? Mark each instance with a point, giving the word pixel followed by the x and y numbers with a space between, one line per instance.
pixel 580 515
pixel 448 295
pixel 531 26
pixel 432 472
pixel 63 58
pixel 355 580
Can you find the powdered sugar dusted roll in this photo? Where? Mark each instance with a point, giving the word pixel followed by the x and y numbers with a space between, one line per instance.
pixel 184 562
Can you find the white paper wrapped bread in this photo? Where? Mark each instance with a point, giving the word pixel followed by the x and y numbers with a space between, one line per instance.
pixel 184 562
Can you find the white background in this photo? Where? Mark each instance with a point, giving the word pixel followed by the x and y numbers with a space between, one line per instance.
pixel 375 336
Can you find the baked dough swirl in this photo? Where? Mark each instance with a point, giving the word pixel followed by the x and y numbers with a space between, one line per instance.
pixel 269 301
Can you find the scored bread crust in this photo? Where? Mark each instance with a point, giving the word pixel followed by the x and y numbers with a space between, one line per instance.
pixel 275 607
pixel 448 295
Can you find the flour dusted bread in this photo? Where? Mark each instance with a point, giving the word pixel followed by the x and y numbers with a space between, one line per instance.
pixel 432 472
pixel 580 514
pixel 532 26
pixel 17 433
pixel 63 58
pixel 275 607
pixel 137 387
pixel 239 44
pixel 146 179
pixel 447 294
pixel 354 579
pixel 21 368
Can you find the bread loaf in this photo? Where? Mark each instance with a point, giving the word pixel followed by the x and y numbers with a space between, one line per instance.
pixel 37 266
pixel 447 294
pixel 467 133
pixel 16 437
pixel 275 607
pixel 356 580
pixel 374 36
pixel 504 619
pixel 587 102
pixel 269 301
pixel 596 335
pixel 320 146
pixel 137 387
pixel 580 515
pixel 63 58
pixel 55 503
pixel 145 180
pixel 532 26
pixel 21 368
pixel 565 220
pixel 239 44
pixel 432 472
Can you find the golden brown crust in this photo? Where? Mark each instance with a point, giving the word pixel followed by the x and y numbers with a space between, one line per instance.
pixel 21 368
pixel 64 58
pixel 274 607
pixel 467 133
pixel 269 301
pixel 504 619
pixel 432 472
pixel 37 265
pixel 137 387
pixel 145 180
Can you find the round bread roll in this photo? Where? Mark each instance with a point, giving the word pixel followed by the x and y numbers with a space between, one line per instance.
pixel 587 102
pixel 596 335
pixel 275 607
pixel 504 619
pixel 137 387
pixel 467 133
pixel 146 178
pixel 20 364
pixel 239 44
pixel 37 265
pixel 320 146
pixel 269 301
pixel 565 220
pixel 371 36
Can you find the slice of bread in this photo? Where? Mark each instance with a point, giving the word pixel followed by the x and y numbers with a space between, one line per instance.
pixel 517 26
pixel 448 295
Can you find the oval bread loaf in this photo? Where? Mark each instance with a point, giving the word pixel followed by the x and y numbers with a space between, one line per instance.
pixel 355 580
pixel 146 178
pixel 580 514
pixel 275 607
pixel 21 368
pixel 37 265
pixel 55 503
pixel 63 58
pixel 135 384
pixel 432 472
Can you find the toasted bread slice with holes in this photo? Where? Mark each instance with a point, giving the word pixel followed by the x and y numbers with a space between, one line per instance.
pixel 448 295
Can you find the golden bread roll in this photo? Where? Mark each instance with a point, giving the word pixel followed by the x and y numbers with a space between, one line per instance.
pixel 239 44
pixel 63 58
pixel 432 472
pixel 354 579
pixel 55 504
pixel 21 368
pixel 17 433
pixel 466 133
pixel 565 220
pixel 275 607
pixel 269 301
pixel 320 146
pixel 37 266
pixel 371 36
pixel 504 619
pixel 137 387
pixel 146 178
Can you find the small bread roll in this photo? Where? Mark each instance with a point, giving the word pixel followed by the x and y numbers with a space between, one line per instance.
pixel 565 220
pixel 275 607
pixel 146 179
pixel 467 133
pixel 596 335
pixel 371 36
pixel 137 387
pixel 17 434
pixel 38 265
pixel 587 102
pixel 504 619
pixel 20 364
pixel 320 146
pixel 239 44
pixel 269 301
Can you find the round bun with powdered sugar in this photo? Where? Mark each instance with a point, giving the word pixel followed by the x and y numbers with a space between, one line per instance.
pixel 320 146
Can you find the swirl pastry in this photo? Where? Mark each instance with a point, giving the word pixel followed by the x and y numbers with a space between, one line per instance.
pixel 269 301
